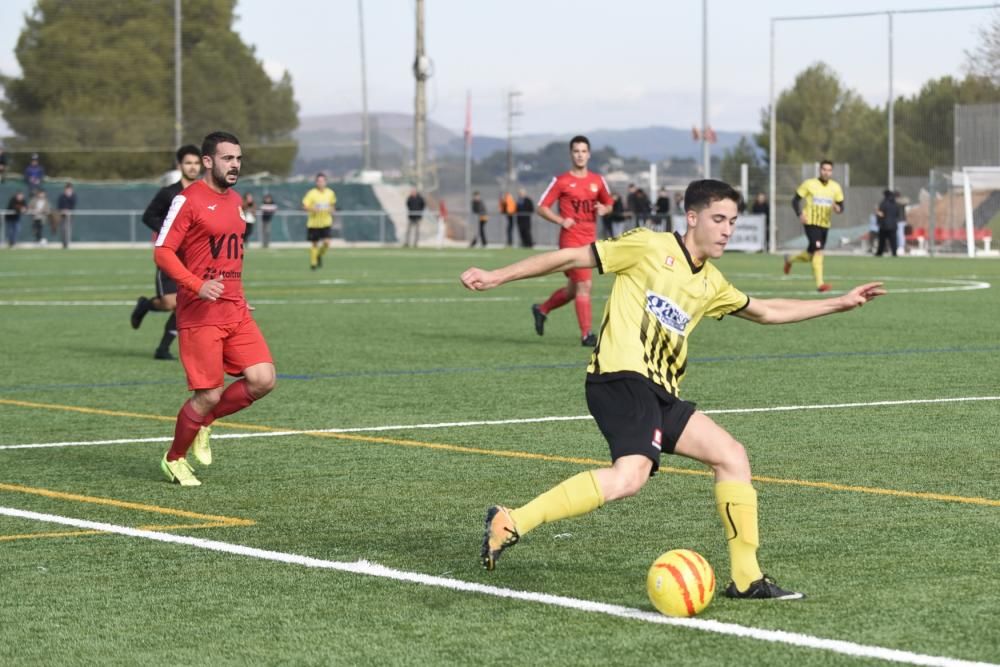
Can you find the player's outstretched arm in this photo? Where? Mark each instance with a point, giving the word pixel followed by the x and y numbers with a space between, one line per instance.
pixel 784 311
pixel 537 265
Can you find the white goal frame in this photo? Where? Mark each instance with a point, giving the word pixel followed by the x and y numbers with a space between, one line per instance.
pixel 980 177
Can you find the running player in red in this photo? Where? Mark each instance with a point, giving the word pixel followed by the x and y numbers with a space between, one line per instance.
pixel 200 246
pixel 582 196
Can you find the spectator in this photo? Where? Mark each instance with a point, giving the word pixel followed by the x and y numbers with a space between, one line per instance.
pixel 661 217
pixel 66 204
pixel 39 209
pixel 888 217
pixel 415 206
pixel 901 201
pixel 479 210
pixel 34 174
pixel 631 204
pixel 3 164
pixel 267 210
pixel 525 209
pixel 17 205
pixel 508 208
pixel 679 203
pixel 642 208
pixel 762 207
pixel 249 214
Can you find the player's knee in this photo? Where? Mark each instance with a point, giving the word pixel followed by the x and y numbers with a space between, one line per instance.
pixel 733 460
pixel 261 382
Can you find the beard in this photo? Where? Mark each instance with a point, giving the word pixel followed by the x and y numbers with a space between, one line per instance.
pixel 219 177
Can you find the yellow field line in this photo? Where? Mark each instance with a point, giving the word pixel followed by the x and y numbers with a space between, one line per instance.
pixel 78 533
pixel 60 495
pixel 921 495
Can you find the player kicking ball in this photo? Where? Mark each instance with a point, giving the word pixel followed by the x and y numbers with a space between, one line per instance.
pixel 200 246
pixel 664 285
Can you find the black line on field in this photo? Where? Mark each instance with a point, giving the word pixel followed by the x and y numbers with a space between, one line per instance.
pixel 581 364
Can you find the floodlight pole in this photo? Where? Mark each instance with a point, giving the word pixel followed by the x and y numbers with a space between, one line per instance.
pixel 178 102
pixel 891 109
pixel 706 148
pixel 772 154
pixel 365 128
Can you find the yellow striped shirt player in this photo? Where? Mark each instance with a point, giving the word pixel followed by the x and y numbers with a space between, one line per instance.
pixel 665 285
pixel 815 202
pixel 319 202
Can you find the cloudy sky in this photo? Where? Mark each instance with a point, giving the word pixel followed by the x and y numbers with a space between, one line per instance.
pixel 585 64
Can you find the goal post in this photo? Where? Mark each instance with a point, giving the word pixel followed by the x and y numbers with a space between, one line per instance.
pixel 979 215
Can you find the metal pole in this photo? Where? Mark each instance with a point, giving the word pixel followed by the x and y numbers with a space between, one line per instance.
pixel 892 124
pixel 772 241
pixel 706 148
pixel 468 157
pixel 365 129
pixel 178 101
pixel 421 73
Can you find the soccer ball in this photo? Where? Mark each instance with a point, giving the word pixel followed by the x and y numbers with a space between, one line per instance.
pixel 680 583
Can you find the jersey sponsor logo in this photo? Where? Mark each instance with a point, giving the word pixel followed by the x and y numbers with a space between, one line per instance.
pixel 175 208
pixel 212 273
pixel 582 206
pixel 233 244
pixel 593 187
pixel 667 313
pixel 822 201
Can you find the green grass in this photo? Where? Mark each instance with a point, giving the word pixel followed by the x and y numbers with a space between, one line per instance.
pixel 389 337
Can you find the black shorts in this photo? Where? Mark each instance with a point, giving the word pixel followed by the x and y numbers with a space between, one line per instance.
pixel 816 237
pixel 164 284
pixel 317 233
pixel 636 419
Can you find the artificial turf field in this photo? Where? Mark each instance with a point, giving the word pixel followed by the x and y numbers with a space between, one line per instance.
pixel 873 436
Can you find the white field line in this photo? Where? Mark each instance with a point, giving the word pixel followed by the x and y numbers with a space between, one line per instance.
pixel 500 422
pixel 365 568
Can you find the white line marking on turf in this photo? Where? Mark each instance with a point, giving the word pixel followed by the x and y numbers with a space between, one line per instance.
pixel 366 568
pixel 499 422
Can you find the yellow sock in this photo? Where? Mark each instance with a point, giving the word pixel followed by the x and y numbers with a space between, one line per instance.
pixel 737 505
pixel 578 495
pixel 313 256
pixel 801 257
pixel 817 264
pixel 322 249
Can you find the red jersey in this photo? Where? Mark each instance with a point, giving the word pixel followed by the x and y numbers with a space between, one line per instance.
pixel 206 230
pixel 578 197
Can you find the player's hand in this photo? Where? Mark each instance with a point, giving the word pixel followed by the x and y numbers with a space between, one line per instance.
pixel 838 208
pixel 603 209
pixel 211 290
pixel 479 280
pixel 862 294
pixel 567 223
pixel 804 218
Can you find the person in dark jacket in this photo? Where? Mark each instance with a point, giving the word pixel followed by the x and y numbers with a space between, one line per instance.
pixel 661 217
pixel 525 208
pixel 479 210
pixel 888 215
pixel 16 205
pixel 415 206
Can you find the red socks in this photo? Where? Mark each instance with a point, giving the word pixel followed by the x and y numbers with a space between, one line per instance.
pixel 188 423
pixel 559 298
pixel 582 304
pixel 234 398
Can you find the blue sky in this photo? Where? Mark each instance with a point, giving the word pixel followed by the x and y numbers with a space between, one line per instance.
pixel 584 64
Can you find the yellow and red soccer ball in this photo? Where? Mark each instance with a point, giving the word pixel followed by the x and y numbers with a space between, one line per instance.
pixel 680 583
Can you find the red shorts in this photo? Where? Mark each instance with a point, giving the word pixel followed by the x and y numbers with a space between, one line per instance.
pixel 578 235
pixel 209 352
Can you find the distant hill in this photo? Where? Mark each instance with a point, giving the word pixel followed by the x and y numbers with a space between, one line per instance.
pixel 339 136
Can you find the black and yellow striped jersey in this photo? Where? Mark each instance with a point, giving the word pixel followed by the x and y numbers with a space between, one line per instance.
pixel 659 296
pixel 819 200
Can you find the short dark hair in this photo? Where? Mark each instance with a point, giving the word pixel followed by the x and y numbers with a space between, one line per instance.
pixel 319 174
pixel 185 150
pixel 700 194
pixel 216 138
pixel 829 162
pixel 579 139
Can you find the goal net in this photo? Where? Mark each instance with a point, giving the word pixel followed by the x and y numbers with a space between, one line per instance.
pixel 959 212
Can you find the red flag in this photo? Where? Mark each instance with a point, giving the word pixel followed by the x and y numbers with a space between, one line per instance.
pixel 710 135
pixel 695 134
pixel 468 120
